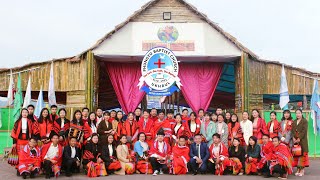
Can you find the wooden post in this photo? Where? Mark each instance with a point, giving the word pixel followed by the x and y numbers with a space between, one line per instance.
pixel 89 82
pixel 305 102
pixel 239 83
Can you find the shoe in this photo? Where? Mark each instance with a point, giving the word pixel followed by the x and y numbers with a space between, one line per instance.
pixel 240 174
pixel 195 173
pixel 155 173
pixel 24 175
pixel 301 173
pixel 47 176
pixel 297 173
pixel 68 174
pixel 161 172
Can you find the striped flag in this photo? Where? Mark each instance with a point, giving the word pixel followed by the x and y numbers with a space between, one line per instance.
pixel 284 92
pixel 40 104
pixel 27 97
pixel 51 93
pixel 18 100
pixel 11 90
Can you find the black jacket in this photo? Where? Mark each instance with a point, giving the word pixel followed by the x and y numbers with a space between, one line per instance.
pixel 67 154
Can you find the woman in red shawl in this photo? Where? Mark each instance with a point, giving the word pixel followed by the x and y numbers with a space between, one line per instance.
pixel 273 126
pixel 29 159
pixel 22 131
pixel 43 127
pixel 179 129
pixel 77 123
pixel 193 125
pixel 219 154
pixel 234 130
pixel 146 125
pixel 130 129
pixel 281 161
pixel 259 125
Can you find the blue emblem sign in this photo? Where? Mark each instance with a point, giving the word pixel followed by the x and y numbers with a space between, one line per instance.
pixel 159 70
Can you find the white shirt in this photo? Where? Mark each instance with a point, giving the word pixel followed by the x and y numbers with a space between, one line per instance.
pixel 24 125
pixel 62 123
pixel 52 152
pixel 216 149
pixel 220 125
pixel 177 128
pixel 193 127
pixel 271 127
pixel 99 120
pixel 160 146
pixel 73 152
pixel 93 128
pixel 247 129
pixel 110 149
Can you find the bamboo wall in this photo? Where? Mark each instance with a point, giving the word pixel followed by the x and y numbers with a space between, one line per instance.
pixel 179 12
pixel 68 76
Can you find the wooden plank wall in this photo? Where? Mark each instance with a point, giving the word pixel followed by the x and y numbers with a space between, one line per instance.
pixel 68 76
pixel 179 12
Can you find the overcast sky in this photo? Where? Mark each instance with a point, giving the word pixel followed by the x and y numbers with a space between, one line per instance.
pixel 35 30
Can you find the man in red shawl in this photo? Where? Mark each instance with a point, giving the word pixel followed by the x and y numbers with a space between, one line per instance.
pixel 218 156
pixel 29 159
pixel 146 125
pixel 85 114
pixel 281 161
pixel 31 115
pixel 51 156
pixel 265 154
pixel 180 157
pixel 159 153
pixel 53 113
pixel 153 114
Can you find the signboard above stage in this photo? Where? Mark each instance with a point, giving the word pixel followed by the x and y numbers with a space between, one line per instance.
pixel 185 39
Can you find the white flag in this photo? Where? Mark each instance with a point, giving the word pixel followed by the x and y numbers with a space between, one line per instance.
pixel 51 93
pixel 40 104
pixel 27 97
pixel 284 92
pixel 10 90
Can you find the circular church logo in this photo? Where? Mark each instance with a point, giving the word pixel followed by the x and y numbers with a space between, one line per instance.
pixel 159 70
pixel 168 34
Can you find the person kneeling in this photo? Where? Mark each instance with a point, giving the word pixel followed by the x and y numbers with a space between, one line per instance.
pixel 127 162
pixel 29 159
pixel 52 157
pixel 159 154
pixel 199 153
pixel 180 157
pixel 92 162
pixel 281 161
pixel 218 156
pixel 109 156
pixel 141 149
pixel 71 157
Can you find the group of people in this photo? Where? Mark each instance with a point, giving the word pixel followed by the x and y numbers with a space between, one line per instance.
pixel 146 142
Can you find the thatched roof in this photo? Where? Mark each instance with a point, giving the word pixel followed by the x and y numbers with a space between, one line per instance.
pixel 192 8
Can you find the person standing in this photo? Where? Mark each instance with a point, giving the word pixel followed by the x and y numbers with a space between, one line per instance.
pixel 222 129
pixel 208 128
pixel 259 125
pixel 246 126
pixel 273 126
pixel 300 137
pixel 285 128
pixel 104 129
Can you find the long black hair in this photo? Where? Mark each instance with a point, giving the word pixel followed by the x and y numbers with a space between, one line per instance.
pixel 251 148
pixel 302 117
pixel 41 118
pixel 90 121
pixel 286 111
pixel 119 120
pixel 259 115
pixel 23 109
pixel 233 123
pixel 75 120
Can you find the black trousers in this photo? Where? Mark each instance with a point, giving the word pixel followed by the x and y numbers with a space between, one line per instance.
pixel 156 165
pixel 279 169
pixel 211 168
pixel 47 166
pixel 70 166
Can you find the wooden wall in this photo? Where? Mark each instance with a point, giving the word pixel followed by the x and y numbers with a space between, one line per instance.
pixel 68 76
pixel 179 12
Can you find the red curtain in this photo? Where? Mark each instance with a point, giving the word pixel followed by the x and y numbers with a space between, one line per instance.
pixel 199 81
pixel 125 78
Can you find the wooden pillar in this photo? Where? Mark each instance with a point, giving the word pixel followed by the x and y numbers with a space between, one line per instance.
pixel 305 102
pixel 90 80
pixel 239 83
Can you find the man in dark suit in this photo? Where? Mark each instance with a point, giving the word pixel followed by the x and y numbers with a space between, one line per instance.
pixel 199 155
pixel 71 157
